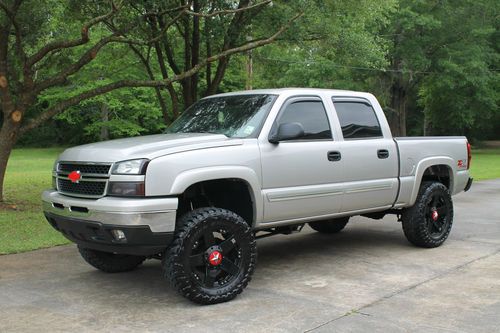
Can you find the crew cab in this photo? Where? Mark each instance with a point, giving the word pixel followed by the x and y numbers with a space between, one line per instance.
pixel 238 166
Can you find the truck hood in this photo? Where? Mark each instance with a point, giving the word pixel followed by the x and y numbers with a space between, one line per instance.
pixel 150 146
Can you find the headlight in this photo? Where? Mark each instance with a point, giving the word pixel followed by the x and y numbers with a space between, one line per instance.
pixel 131 167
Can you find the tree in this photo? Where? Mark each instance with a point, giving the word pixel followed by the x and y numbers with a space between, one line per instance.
pixel 441 58
pixel 28 53
pixel 338 45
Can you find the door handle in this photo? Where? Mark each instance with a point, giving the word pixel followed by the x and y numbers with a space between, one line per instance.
pixel 334 156
pixel 382 153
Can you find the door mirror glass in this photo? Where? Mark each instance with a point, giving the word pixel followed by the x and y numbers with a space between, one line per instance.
pixel 288 131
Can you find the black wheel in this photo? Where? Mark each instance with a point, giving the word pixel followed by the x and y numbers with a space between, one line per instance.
pixel 110 262
pixel 330 226
pixel 212 257
pixel 428 223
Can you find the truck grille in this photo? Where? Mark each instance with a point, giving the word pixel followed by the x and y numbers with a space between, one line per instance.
pixel 92 183
pixel 96 169
pixel 82 187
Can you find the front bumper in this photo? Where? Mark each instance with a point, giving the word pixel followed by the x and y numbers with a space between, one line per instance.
pixel 148 223
pixel 140 240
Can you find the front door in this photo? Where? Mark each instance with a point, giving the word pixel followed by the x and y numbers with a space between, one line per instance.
pixel 301 176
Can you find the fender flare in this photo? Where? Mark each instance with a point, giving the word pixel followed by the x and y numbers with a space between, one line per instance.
pixel 193 176
pixel 423 165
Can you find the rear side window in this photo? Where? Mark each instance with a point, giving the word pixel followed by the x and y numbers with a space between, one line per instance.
pixel 358 120
pixel 312 116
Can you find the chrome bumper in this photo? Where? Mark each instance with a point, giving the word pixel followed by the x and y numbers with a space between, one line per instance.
pixel 157 213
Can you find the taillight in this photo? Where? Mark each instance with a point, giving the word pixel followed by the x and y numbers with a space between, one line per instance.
pixel 469 156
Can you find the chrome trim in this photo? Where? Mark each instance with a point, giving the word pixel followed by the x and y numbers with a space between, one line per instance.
pixel 94 180
pixel 85 162
pixel 95 175
pixel 157 221
pixel 85 196
pixel 85 177
pixel 128 178
pixel 271 197
pixel 369 189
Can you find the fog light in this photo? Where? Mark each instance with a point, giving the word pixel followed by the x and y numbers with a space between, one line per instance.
pixel 119 235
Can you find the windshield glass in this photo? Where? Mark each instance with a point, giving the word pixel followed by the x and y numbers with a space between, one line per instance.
pixel 237 116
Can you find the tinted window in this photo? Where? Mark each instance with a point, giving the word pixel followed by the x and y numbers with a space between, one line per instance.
pixel 358 120
pixel 311 115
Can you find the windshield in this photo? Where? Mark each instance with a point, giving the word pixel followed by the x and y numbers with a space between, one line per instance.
pixel 237 116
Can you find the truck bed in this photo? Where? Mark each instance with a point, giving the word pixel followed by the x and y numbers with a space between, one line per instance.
pixel 414 152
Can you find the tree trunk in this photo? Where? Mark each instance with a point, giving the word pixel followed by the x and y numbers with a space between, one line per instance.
pixel 398 104
pixel 161 101
pixel 219 75
pixel 427 126
pixel 170 88
pixel 8 138
pixel 249 84
pixel 208 76
pixel 187 88
pixel 104 118
pixel 195 51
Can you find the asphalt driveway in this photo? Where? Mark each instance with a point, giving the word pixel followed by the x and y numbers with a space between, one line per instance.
pixel 367 278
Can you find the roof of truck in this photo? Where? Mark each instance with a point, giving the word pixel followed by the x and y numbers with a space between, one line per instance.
pixel 279 91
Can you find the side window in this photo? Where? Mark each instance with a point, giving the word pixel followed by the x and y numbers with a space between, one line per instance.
pixel 311 115
pixel 358 120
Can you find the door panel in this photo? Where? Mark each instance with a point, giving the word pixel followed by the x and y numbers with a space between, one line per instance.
pixel 371 173
pixel 299 180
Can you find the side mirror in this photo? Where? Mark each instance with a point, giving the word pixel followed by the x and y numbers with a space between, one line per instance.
pixel 287 131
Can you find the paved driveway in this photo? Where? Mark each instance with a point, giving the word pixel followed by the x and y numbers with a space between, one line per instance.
pixel 367 278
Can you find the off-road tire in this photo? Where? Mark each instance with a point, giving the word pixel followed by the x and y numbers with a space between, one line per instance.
pixel 186 279
pixel 417 223
pixel 330 226
pixel 110 262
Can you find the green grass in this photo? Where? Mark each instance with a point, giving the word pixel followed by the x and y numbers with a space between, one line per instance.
pixel 22 224
pixel 23 227
pixel 485 164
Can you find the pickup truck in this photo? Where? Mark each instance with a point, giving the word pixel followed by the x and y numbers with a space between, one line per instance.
pixel 238 166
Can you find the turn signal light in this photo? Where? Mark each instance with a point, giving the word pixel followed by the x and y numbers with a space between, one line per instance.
pixel 127 189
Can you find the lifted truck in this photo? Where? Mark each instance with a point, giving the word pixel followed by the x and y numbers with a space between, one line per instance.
pixel 237 164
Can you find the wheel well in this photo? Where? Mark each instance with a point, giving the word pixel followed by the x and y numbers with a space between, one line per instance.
pixel 232 194
pixel 440 173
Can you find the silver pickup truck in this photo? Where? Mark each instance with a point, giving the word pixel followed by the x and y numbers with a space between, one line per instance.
pixel 239 166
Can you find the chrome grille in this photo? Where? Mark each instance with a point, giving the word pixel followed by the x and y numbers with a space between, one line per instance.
pixel 84 188
pixel 96 169
pixel 92 184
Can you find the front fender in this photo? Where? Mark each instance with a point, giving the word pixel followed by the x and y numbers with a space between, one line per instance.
pixel 187 178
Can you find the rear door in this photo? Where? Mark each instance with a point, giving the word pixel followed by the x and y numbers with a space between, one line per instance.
pixel 370 179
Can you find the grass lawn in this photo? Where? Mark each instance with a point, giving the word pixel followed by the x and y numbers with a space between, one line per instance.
pixel 23 227
pixel 485 164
